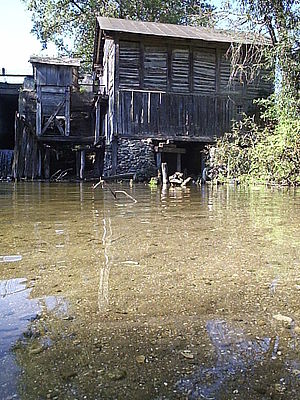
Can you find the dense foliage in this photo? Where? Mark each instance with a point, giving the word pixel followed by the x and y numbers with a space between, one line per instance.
pixel 267 151
pixel 60 20
pixel 267 148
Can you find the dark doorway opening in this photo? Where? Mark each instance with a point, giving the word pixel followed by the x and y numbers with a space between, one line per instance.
pixel 8 109
pixel 182 157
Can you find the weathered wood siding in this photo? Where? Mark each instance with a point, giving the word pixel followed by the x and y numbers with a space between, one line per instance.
pixel 54 75
pixel 168 89
pixel 108 80
pixel 155 67
pixel 147 114
pixel 50 97
pixel 129 64
pixel 204 71
pixel 180 70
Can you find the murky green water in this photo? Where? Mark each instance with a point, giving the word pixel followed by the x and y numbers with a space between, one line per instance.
pixel 186 294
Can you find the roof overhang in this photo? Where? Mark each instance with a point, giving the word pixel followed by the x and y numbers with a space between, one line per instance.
pixel 178 31
pixel 59 61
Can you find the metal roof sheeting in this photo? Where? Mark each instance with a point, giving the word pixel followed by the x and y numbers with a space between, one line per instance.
pixel 176 31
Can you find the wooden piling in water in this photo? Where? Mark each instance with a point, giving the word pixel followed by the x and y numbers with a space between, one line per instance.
pixel 26 151
pixel 164 170
pixel 82 164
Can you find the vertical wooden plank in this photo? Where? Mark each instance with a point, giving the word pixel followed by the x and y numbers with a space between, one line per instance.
pixel 144 116
pixel 38 111
pixel 164 115
pixel 191 69
pixel 98 162
pixel 141 64
pixel 34 158
pixel 218 69
pixel 158 160
pixel 97 122
pixel 47 163
pixel 77 161
pixel 39 168
pixel 115 127
pixel 169 69
pixel 164 170
pixel 154 113
pixel 67 110
pixel 127 113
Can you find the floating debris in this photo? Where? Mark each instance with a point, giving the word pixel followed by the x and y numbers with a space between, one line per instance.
pixel 129 262
pixel 8 259
pixel 187 354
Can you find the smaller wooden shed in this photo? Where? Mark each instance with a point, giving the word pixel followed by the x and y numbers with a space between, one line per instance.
pixel 54 79
pixel 56 126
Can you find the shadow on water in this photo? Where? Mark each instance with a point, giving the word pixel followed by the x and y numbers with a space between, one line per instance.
pixel 236 355
pixel 17 313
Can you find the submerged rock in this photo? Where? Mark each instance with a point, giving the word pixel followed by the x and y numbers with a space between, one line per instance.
pixel 117 374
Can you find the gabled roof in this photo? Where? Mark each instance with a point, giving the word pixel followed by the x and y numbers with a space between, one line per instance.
pixel 176 31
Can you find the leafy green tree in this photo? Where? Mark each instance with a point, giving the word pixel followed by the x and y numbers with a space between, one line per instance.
pixel 265 149
pixel 281 19
pixel 60 20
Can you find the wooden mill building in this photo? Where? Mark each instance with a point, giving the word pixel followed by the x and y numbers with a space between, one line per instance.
pixel 169 93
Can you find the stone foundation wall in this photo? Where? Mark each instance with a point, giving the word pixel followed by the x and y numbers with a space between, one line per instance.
pixel 133 156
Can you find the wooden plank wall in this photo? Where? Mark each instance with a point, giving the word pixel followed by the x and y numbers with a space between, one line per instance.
pixel 166 89
pixel 129 64
pixel 180 70
pixel 167 114
pixel 205 70
pixel 155 67
pixel 108 81
pixel 46 74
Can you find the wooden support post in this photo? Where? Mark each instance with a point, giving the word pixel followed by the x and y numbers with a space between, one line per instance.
pixel 38 111
pixel 16 150
pixel 34 159
pixel 67 111
pixel 77 161
pixel 203 168
pixel 97 165
pixel 178 162
pixel 82 164
pixel 97 122
pixel 158 160
pixel 47 163
pixel 158 165
pixel 39 168
pixel 164 170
